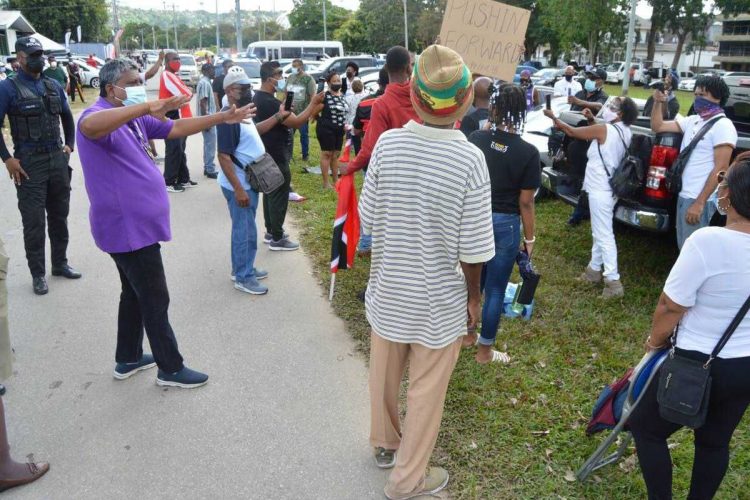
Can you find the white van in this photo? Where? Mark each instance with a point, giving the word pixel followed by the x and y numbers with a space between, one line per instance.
pixel 274 49
pixel 616 72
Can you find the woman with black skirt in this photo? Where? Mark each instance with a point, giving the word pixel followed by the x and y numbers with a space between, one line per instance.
pixel 330 129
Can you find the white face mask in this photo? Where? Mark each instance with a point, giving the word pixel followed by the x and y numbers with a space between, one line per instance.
pixel 608 115
pixel 53 64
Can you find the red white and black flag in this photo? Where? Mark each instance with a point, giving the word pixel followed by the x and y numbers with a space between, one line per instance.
pixel 345 228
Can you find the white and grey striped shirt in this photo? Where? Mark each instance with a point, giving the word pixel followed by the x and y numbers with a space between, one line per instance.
pixel 426 202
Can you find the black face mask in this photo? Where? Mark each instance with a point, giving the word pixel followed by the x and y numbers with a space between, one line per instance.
pixel 335 87
pixel 246 98
pixel 35 64
pixel 569 77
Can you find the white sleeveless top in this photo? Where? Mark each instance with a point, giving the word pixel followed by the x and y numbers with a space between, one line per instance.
pixel 613 151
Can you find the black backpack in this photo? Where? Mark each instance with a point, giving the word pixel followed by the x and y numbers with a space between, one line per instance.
pixel 628 177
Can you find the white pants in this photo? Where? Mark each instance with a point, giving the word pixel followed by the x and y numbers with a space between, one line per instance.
pixel 604 249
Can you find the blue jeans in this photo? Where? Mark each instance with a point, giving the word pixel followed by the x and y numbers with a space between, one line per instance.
pixel 244 235
pixel 304 139
pixel 209 151
pixel 684 230
pixel 495 275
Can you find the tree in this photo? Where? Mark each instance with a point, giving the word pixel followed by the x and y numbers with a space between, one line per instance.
pixel 353 35
pixel 429 22
pixel 52 18
pixel 686 19
pixel 585 23
pixel 306 19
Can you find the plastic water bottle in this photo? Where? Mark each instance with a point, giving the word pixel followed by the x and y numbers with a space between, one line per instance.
pixel 516 307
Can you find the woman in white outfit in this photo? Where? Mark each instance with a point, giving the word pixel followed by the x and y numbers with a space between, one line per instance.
pixel 609 143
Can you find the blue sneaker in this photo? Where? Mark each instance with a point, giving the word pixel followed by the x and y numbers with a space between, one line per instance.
pixel 185 378
pixel 127 370
pixel 251 286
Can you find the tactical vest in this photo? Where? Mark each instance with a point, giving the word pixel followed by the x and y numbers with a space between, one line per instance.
pixel 35 118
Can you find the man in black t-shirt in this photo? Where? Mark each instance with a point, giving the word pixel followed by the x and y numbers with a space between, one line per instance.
pixel 478 118
pixel 218 83
pixel 278 144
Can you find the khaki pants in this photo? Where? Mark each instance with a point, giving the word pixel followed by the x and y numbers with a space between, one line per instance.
pixel 5 352
pixel 429 373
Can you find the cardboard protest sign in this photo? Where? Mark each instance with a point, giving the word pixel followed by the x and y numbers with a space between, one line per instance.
pixel 489 35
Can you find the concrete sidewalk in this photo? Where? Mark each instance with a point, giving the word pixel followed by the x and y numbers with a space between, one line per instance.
pixel 285 413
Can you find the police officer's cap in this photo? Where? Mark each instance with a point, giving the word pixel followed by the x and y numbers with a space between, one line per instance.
pixel 29 45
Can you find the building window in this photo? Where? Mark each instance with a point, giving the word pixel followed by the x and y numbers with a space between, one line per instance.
pixel 4 50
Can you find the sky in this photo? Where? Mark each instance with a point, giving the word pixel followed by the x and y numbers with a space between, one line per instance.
pixel 642 10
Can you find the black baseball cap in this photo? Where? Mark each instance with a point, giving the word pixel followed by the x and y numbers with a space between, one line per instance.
pixel 598 73
pixel 29 45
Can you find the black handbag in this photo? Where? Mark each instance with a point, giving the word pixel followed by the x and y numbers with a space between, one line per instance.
pixel 263 174
pixel 685 384
pixel 673 176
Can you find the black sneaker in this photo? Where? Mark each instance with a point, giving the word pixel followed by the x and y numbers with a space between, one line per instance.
pixel 268 237
pixel 283 245
pixel 189 184
pixel 185 378
pixel 175 188
pixel 127 370
pixel 211 175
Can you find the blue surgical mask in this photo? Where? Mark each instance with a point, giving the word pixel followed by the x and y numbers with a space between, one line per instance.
pixel 590 85
pixel 135 95
pixel 281 85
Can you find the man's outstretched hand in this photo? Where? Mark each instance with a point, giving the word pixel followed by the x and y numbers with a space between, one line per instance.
pixel 239 115
pixel 159 109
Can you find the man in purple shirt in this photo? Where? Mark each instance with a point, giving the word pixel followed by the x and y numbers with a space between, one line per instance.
pixel 129 211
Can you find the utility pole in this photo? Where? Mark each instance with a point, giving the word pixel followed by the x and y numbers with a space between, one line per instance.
pixel 116 25
pixel 142 42
pixel 153 35
pixel 218 40
pixel 238 25
pixel 629 49
pixel 406 28
pixel 174 23
pixel 166 30
pixel 325 27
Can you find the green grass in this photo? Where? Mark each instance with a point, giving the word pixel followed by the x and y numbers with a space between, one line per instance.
pixel 684 98
pixel 573 346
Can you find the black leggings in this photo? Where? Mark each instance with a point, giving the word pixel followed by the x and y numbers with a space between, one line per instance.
pixel 730 396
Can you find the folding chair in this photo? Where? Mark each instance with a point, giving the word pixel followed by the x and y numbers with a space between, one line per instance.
pixel 639 380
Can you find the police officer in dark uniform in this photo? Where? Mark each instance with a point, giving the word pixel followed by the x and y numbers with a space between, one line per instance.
pixel 35 106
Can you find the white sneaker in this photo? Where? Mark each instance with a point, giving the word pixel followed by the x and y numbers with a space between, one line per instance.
pixel 296 197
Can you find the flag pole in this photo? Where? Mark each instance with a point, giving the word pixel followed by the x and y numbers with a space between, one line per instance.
pixel 333 285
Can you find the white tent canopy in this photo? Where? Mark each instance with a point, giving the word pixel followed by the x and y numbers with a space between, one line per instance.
pixel 48 44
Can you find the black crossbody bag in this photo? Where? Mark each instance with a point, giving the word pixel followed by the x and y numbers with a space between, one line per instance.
pixel 685 384
pixel 263 174
pixel 673 176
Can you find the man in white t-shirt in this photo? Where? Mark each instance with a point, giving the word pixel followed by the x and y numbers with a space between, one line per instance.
pixel 710 156
pixel 567 86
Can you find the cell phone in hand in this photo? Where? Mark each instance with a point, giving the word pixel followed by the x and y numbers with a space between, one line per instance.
pixel 548 101
pixel 288 101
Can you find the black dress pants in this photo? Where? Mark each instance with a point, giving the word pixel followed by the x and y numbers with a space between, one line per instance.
pixel 175 161
pixel 730 396
pixel 144 303
pixel 275 203
pixel 45 192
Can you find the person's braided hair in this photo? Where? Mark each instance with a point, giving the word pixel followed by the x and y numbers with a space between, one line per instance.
pixel 507 107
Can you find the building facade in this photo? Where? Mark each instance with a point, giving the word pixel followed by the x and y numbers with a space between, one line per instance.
pixel 734 44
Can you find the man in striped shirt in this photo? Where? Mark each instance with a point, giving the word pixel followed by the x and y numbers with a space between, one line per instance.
pixel 426 202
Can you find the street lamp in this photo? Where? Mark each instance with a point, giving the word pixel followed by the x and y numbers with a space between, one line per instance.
pixel 325 27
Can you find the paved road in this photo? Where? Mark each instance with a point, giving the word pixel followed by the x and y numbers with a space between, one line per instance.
pixel 285 413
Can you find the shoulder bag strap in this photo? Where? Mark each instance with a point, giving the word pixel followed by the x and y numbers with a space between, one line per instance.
pixel 604 164
pixel 730 330
pixel 685 153
pixel 237 162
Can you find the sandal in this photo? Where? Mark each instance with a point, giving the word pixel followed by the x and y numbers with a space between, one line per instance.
pixel 497 357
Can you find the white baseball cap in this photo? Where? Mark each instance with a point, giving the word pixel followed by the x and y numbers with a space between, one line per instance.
pixel 236 74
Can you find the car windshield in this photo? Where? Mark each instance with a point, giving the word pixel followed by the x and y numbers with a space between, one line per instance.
pixel 613 67
pixel 187 61
pixel 252 68
pixel 543 73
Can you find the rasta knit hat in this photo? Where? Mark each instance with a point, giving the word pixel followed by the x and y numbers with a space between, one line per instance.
pixel 441 86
